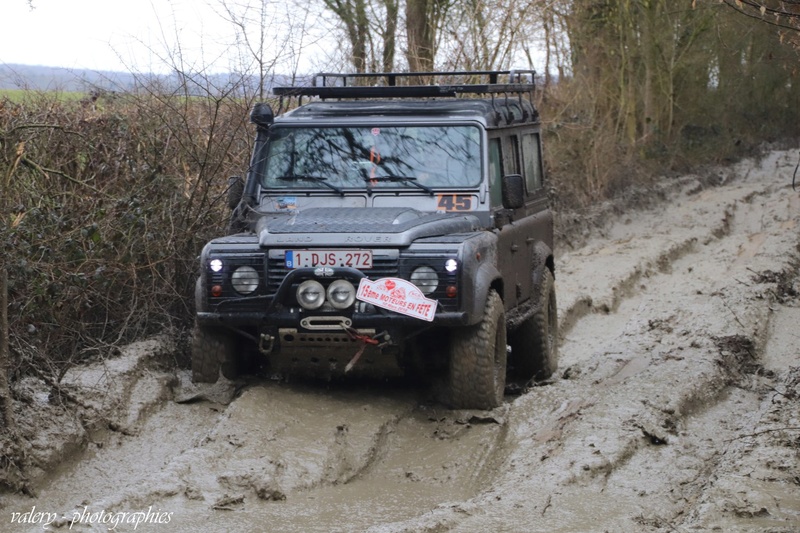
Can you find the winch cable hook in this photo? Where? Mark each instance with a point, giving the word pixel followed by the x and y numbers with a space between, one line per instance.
pixel 365 341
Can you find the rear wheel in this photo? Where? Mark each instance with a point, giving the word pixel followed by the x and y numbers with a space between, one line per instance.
pixel 534 344
pixel 213 350
pixel 477 375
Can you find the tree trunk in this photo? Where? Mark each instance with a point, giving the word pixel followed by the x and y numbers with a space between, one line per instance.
pixel 651 42
pixel 389 34
pixel 6 407
pixel 420 32
pixel 353 14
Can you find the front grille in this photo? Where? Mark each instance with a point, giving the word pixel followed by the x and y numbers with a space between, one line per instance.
pixel 271 267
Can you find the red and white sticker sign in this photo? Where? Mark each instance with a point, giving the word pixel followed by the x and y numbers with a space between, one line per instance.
pixel 397 295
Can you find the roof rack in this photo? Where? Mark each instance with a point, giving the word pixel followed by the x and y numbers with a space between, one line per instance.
pixel 395 84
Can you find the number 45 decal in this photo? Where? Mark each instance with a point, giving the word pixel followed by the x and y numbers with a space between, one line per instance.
pixel 455 202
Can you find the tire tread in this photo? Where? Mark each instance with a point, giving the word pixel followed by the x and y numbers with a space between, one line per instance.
pixel 212 351
pixel 473 380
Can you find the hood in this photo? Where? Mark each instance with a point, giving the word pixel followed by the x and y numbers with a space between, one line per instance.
pixel 390 226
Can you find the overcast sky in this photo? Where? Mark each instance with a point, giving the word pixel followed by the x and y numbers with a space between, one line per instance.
pixel 116 34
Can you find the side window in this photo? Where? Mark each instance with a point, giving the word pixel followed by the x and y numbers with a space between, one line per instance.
pixel 511 155
pixel 495 171
pixel 531 161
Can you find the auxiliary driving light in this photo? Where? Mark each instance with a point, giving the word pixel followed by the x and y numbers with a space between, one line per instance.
pixel 341 294
pixel 425 278
pixel 245 279
pixel 311 294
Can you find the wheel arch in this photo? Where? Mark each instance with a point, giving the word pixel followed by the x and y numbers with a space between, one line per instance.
pixel 487 277
pixel 542 259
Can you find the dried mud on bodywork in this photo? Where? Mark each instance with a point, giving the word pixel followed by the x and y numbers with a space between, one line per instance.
pixel 675 406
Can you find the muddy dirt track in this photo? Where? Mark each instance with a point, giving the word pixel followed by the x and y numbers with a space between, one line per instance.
pixel 676 407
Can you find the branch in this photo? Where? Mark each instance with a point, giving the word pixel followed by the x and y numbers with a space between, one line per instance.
pixel 792 16
pixel 47 171
pixel 39 126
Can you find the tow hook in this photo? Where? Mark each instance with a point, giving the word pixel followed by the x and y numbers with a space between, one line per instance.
pixel 266 343
pixel 365 341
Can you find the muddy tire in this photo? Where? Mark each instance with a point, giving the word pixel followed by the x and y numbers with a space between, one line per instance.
pixel 534 344
pixel 213 350
pixel 477 376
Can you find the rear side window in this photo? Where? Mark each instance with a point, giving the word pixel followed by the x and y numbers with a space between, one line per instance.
pixel 511 155
pixel 495 171
pixel 531 160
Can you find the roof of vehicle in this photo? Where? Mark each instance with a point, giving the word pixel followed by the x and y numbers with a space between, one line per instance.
pixel 455 96
pixel 498 112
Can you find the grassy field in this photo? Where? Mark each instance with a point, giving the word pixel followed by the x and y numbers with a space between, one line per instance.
pixel 23 95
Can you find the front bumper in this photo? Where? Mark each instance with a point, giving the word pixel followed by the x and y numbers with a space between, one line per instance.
pixel 291 318
pixel 271 311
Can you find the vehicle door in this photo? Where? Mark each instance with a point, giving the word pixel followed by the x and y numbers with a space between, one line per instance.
pixel 512 255
pixel 535 220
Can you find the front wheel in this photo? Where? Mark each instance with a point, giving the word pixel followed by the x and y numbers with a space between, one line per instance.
pixel 534 344
pixel 213 349
pixel 477 377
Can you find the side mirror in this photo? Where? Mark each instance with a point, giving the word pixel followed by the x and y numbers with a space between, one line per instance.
pixel 235 191
pixel 513 191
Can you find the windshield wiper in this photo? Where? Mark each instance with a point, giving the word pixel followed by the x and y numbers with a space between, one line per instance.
pixel 403 179
pixel 317 179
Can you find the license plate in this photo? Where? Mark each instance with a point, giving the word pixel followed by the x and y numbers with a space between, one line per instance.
pixel 328 258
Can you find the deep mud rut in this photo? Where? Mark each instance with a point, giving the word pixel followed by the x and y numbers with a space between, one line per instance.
pixel 676 407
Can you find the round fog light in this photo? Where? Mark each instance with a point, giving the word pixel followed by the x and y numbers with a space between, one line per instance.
pixel 311 294
pixel 341 294
pixel 245 280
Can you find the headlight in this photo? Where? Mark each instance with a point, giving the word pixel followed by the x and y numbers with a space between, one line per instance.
pixel 245 279
pixel 311 294
pixel 341 294
pixel 426 279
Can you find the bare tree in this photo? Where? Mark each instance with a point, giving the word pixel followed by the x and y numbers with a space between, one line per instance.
pixel 492 34
pixel 389 34
pixel 370 27
pixel 353 16
pixel 424 19
pixel 267 34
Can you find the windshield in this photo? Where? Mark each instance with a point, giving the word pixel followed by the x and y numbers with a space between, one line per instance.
pixel 338 158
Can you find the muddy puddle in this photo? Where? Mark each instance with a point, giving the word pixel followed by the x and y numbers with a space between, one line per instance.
pixel 337 463
pixel 299 457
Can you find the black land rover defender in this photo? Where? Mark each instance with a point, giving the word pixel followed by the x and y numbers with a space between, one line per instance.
pixel 394 223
